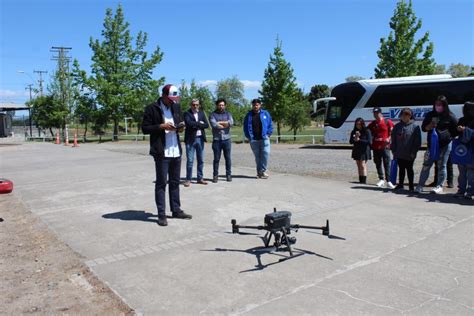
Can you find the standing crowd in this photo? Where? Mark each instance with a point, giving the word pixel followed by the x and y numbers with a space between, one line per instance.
pixel 163 120
pixel 448 141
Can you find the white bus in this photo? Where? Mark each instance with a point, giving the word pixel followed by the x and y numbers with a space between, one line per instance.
pixel 351 100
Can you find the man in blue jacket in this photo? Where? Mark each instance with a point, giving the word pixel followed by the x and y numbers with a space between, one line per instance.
pixel 258 128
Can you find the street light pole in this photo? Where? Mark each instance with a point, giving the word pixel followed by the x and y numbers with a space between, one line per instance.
pixel 30 87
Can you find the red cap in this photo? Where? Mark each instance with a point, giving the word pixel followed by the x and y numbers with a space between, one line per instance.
pixel 171 92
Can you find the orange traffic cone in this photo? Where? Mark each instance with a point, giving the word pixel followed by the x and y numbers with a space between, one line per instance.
pixel 66 142
pixel 57 139
pixel 75 141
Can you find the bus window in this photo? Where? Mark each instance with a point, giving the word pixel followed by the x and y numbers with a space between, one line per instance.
pixel 347 96
pixel 419 94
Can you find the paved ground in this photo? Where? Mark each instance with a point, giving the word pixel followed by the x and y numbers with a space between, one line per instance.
pixel 389 253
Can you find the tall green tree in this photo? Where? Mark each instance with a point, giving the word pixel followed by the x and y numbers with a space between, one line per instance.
pixel 401 54
pixel 279 90
pixel 122 74
pixel 47 112
pixel 298 114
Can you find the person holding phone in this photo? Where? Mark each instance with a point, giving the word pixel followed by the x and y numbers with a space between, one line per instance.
pixel 163 121
pixel 445 123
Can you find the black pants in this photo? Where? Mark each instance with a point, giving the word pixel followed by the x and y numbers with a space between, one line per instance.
pixel 405 166
pixel 379 156
pixel 168 170
pixel 449 171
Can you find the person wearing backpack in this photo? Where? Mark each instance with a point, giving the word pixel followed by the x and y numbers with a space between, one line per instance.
pixel 442 121
pixel 406 141
pixel 466 136
pixel 381 129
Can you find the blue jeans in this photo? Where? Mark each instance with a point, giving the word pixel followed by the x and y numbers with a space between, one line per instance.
pixel 427 163
pixel 198 147
pixel 168 170
pixel 466 179
pixel 261 151
pixel 217 147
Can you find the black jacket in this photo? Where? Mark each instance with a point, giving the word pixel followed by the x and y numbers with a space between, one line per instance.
pixel 192 126
pixel 152 119
pixel 446 126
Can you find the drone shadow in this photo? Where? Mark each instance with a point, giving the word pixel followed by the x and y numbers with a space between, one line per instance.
pixel 259 251
pixel 329 236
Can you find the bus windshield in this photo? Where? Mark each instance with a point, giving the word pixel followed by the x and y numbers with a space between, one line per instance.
pixel 347 96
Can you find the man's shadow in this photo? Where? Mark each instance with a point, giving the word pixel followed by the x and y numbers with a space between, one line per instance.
pixel 133 215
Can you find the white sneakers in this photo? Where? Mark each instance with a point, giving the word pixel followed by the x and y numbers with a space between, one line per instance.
pixel 437 190
pixel 382 184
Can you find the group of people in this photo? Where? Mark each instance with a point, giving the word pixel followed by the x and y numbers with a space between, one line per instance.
pixel 163 120
pixel 381 138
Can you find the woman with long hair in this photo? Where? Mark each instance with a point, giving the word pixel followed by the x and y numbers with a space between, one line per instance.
pixel 361 138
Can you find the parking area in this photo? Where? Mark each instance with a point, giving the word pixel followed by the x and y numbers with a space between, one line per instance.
pixel 389 253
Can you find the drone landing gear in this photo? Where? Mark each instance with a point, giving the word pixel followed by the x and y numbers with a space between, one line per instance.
pixel 281 238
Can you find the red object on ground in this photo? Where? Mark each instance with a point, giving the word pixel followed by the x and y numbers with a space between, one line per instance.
pixel 6 186
pixel 57 139
pixel 75 141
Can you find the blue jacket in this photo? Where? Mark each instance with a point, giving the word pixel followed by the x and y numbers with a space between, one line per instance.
pixel 267 125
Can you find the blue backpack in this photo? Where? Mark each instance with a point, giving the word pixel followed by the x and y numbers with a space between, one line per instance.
pixel 434 148
pixel 461 153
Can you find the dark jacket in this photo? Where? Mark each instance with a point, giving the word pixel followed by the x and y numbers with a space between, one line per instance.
pixel 192 126
pixel 361 149
pixel 152 118
pixel 406 140
pixel 446 126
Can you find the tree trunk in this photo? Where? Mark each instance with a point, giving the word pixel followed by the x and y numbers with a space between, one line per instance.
pixel 84 138
pixel 278 132
pixel 51 131
pixel 116 124
pixel 294 135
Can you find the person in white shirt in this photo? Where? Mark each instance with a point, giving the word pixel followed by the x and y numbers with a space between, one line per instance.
pixel 163 121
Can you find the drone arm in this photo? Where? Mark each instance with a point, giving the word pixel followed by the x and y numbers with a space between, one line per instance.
pixel 325 229
pixel 235 227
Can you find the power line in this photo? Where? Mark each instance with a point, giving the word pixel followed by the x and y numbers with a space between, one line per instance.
pixel 40 72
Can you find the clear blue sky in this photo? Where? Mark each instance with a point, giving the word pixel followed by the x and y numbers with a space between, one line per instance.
pixel 209 40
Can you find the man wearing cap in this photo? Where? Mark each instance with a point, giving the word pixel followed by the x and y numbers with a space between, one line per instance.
pixel 163 120
pixel 381 130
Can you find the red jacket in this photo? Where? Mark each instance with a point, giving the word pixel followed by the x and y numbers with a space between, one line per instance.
pixel 381 131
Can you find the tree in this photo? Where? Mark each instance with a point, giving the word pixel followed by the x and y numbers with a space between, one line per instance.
pixel 439 69
pixel 459 70
pixel 47 112
pixel 85 111
pixel 317 92
pixel 400 53
pixel 354 78
pixel 121 74
pixel 279 91
pixel 232 90
pixel 298 114
pixel 203 94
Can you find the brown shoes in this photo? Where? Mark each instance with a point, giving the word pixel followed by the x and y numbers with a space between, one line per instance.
pixel 202 181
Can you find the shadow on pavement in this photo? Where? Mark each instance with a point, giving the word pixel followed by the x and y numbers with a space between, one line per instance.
pixel 132 215
pixel 429 197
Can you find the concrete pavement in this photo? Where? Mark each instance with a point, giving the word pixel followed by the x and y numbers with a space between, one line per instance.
pixel 390 254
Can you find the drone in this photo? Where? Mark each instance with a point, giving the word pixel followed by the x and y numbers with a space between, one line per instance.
pixel 278 225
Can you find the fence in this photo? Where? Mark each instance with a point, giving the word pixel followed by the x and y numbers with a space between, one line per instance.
pixel 141 137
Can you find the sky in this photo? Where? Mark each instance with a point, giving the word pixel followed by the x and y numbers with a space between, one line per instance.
pixel 209 40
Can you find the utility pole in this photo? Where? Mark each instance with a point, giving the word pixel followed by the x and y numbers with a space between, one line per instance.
pixel 30 87
pixel 63 71
pixel 40 72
